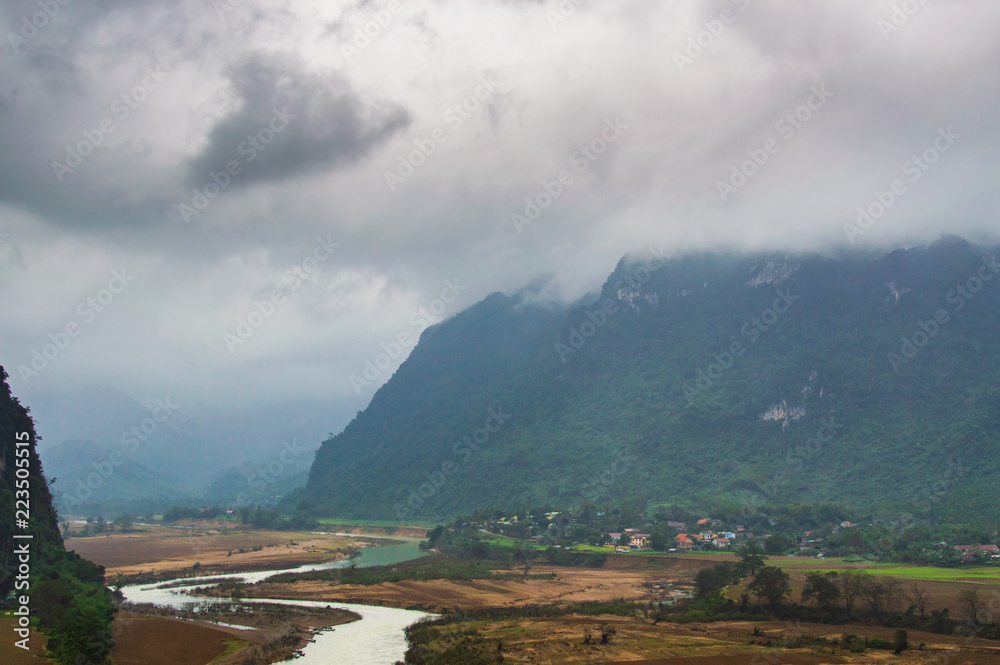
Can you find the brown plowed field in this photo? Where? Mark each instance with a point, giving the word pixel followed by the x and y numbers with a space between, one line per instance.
pixel 157 641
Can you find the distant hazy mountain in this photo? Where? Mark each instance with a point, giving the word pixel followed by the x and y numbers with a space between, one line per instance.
pixel 866 380
pixel 148 435
pixel 94 480
pixel 172 451
pixel 265 481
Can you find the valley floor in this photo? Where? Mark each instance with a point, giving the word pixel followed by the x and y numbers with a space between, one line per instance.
pixel 638 642
pixel 154 638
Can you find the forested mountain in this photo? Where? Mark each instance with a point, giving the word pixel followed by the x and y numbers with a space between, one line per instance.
pixel 66 592
pixel 867 380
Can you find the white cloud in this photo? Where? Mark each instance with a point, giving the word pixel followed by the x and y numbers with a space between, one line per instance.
pixel 657 184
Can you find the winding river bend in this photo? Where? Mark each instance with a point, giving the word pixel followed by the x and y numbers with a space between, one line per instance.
pixel 376 639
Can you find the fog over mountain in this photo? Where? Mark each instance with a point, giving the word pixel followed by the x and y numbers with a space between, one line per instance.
pixel 243 205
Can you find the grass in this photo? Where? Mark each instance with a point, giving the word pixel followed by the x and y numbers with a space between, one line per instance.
pixel 378 523
pixel 906 570
pixel 938 574
pixel 435 569
pixel 231 646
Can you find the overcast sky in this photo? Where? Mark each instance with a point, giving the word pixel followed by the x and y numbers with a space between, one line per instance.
pixel 358 177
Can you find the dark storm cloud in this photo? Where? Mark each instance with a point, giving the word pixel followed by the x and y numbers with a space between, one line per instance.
pixel 291 120
pixel 389 102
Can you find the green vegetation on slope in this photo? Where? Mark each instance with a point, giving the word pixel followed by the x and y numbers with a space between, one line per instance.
pixel 67 594
pixel 749 379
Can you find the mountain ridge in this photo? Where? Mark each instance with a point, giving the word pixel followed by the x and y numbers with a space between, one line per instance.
pixel 686 365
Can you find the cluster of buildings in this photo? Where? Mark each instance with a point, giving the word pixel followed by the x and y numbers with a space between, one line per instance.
pixel 707 538
pixel 969 552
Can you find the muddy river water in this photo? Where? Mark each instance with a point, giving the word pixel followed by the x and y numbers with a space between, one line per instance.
pixel 376 639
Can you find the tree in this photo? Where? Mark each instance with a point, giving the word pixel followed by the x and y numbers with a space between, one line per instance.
pixel 662 536
pixel 872 590
pixel 777 544
pixel 710 581
pixel 770 584
pixel 752 554
pixel 823 588
pixel 971 598
pixel 902 642
pixel 850 587
pixel 52 599
pixel 893 591
pixel 919 596
pixel 123 522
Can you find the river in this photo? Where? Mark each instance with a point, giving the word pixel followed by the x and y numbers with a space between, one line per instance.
pixel 376 639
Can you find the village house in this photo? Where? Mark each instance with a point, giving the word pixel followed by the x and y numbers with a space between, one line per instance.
pixel 684 542
pixel 639 541
pixel 970 551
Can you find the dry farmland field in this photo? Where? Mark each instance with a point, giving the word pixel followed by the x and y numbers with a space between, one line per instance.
pixel 172 550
